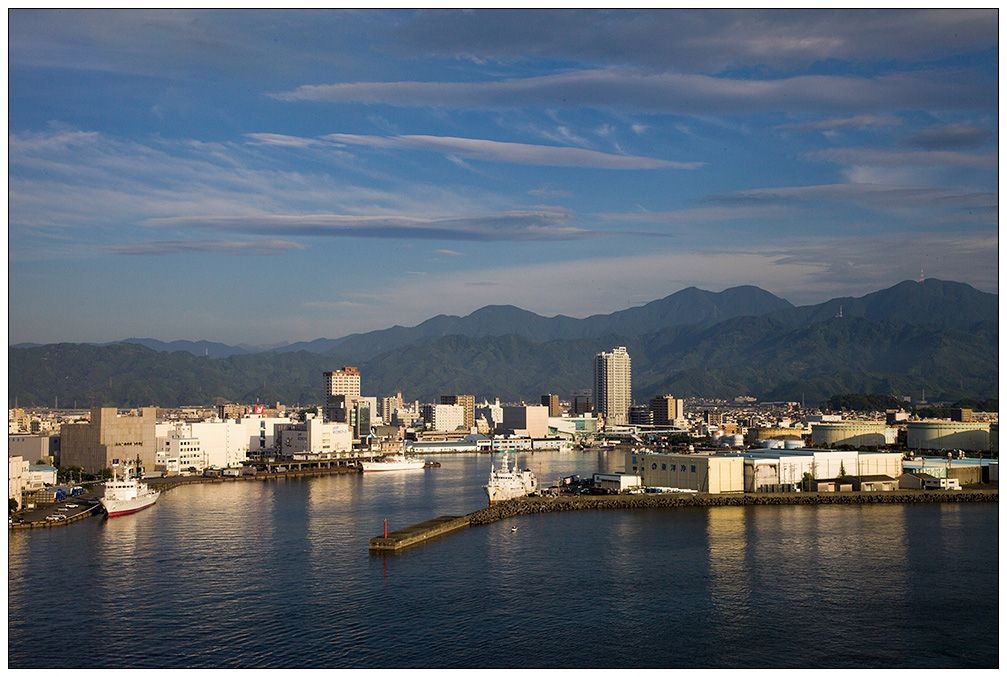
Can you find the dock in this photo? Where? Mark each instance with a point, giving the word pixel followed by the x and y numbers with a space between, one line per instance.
pixel 418 533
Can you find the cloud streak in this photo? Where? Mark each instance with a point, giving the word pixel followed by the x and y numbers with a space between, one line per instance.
pixel 837 124
pixel 951 137
pixel 701 40
pixel 876 196
pixel 485 150
pixel 892 158
pixel 264 248
pixel 635 90
pixel 513 226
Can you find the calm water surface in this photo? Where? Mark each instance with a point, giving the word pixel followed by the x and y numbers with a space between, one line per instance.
pixel 277 574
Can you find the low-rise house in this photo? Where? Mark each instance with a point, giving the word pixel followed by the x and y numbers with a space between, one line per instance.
pixel 919 480
pixel 616 481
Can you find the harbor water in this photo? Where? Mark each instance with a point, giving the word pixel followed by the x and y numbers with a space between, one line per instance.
pixel 277 574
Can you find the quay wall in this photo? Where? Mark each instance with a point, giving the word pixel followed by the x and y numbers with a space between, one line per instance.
pixel 166 483
pixel 532 505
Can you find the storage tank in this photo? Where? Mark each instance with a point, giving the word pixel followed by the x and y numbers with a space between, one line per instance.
pixel 793 444
pixel 771 444
pixel 734 440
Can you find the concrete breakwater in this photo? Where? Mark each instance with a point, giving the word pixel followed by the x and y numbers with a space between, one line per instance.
pixel 532 505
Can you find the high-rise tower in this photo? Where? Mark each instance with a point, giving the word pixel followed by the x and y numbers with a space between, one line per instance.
pixel 613 385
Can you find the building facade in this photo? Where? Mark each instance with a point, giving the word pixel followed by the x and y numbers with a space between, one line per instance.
pixel 613 385
pixel 526 421
pixel 443 416
pixel 708 474
pixel 580 402
pixel 468 405
pixel 108 436
pixel 552 401
pixel 666 410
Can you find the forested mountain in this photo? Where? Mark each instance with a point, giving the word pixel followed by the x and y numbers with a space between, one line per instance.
pixel 937 336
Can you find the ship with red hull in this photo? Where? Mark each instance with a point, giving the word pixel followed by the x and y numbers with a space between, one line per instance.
pixel 126 496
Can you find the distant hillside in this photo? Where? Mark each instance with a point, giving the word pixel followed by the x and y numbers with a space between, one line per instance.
pixel 941 337
pixel 205 348
pixel 129 374
pixel 931 302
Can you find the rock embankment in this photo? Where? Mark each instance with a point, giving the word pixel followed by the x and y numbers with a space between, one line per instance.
pixel 538 504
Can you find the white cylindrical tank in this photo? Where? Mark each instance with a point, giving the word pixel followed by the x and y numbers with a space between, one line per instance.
pixel 771 444
pixel 793 444
pixel 734 440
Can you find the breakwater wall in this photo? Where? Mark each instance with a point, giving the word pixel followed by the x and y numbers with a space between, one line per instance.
pixel 532 505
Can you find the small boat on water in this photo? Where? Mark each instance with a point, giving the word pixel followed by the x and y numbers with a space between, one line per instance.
pixel 126 496
pixel 394 462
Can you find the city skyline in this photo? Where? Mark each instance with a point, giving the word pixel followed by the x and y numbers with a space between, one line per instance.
pixel 263 177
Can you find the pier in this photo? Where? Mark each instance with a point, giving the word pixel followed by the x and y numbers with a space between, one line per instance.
pixel 403 538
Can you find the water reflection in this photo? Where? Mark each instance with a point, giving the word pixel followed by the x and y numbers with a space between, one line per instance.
pixel 727 542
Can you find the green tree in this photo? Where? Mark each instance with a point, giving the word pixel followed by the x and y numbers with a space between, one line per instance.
pixel 842 469
pixel 12 506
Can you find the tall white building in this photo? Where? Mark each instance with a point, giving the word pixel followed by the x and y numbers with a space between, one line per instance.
pixel 613 385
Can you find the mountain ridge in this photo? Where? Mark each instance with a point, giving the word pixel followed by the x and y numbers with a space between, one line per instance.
pixel 790 354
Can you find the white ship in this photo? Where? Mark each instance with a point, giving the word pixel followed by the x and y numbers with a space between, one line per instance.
pixel 126 496
pixel 508 483
pixel 396 462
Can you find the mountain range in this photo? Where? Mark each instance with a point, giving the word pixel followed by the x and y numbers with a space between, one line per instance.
pixel 935 336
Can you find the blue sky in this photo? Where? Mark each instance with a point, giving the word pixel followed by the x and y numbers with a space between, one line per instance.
pixel 267 176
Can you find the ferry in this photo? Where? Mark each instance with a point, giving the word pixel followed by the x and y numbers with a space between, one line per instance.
pixel 126 496
pixel 505 484
pixel 396 462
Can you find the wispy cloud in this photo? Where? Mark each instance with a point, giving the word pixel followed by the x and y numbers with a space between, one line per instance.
pixel 951 137
pixel 514 226
pixel 893 158
pixel 263 248
pixel 549 192
pixel 873 195
pixel 834 124
pixel 702 40
pixel 487 151
pixel 802 270
pixel 702 214
pixel 626 89
pixel 448 252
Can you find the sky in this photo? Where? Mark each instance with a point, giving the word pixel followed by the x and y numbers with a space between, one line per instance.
pixel 263 177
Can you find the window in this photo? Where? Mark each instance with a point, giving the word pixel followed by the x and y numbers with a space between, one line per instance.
pixel 693 468
pixel 664 466
pixel 653 466
pixel 683 468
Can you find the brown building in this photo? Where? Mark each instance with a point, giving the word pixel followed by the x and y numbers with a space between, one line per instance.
pixel 110 436
pixel 665 410
pixel 552 401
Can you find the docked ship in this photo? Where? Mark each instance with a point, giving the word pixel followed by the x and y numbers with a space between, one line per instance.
pixel 128 495
pixel 395 462
pixel 507 483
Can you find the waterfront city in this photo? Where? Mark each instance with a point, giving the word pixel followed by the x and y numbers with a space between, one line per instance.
pixel 514 339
